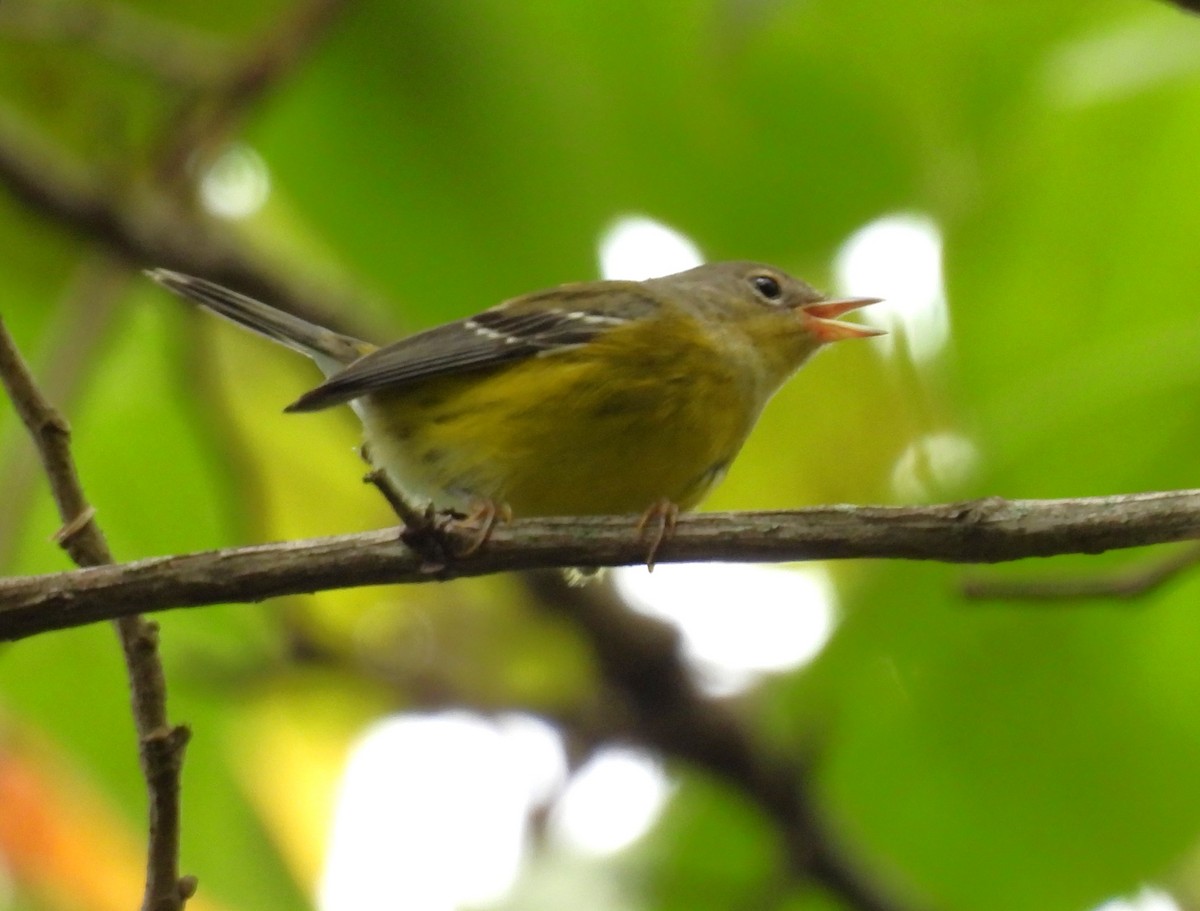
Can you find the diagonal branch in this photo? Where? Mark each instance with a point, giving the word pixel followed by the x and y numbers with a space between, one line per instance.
pixel 51 183
pixel 172 54
pixel 158 224
pixel 160 744
pixel 978 531
pixel 639 659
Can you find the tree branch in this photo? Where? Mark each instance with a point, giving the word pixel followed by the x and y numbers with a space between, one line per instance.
pixel 158 225
pixel 1127 583
pixel 639 659
pixel 979 531
pixel 160 744
pixel 173 54
pixel 42 177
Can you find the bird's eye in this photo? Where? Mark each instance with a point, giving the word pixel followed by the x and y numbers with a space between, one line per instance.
pixel 767 286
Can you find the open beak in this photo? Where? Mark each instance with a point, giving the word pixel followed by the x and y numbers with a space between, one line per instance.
pixel 821 319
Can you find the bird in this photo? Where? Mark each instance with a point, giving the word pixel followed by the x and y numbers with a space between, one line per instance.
pixel 588 398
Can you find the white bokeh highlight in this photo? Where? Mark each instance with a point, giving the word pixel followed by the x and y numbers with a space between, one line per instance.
pixel 1146 899
pixel 433 811
pixel 737 621
pixel 236 184
pixel 899 258
pixel 932 465
pixel 610 802
pixel 635 247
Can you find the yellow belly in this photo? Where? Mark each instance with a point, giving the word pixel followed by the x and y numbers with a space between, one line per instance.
pixel 598 429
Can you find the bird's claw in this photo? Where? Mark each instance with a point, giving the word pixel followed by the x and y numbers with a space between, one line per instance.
pixel 658 525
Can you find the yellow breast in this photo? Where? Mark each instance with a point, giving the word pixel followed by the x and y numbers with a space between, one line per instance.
pixel 610 427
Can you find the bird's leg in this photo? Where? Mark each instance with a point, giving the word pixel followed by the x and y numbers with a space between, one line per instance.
pixel 428 530
pixel 657 524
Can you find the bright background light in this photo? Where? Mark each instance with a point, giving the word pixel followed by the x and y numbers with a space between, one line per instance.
pixel 1147 899
pixel 236 184
pixel 635 247
pixel 611 802
pixel 899 258
pixel 433 811
pixel 933 464
pixel 737 622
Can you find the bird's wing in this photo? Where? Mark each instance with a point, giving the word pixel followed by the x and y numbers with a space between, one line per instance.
pixel 537 324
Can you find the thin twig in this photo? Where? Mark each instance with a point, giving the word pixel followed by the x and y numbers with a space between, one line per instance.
pixel 160 744
pixel 979 531
pixel 410 515
pixel 425 530
pixel 1128 583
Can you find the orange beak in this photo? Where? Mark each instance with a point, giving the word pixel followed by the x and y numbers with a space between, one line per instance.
pixel 821 319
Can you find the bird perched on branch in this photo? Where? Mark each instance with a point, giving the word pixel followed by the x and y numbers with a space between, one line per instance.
pixel 591 398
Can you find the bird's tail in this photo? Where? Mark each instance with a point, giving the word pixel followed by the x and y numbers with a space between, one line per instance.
pixel 331 350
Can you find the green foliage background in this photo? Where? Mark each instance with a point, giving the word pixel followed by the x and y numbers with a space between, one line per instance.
pixel 440 156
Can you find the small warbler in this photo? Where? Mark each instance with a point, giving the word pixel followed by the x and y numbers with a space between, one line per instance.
pixel 591 398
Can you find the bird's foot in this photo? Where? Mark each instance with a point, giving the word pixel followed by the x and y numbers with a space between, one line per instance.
pixel 657 525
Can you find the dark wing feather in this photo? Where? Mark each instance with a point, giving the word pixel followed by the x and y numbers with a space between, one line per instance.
pixel 539 324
